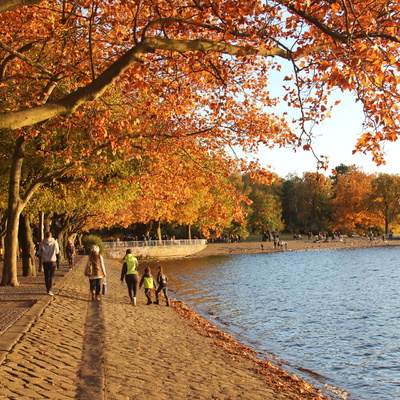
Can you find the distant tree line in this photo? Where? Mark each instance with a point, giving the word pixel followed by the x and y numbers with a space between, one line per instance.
pixel 350 201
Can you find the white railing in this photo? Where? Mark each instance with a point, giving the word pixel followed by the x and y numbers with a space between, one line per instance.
pixel 147 243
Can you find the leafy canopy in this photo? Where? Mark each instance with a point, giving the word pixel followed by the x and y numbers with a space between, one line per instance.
pixel 199 67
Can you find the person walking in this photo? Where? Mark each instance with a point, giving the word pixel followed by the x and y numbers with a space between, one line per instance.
pixel 58 257
pixel 48 250
pixel 130 273
pixel 149 284
pixel 162 281
pixel 97 271
pixel 70 254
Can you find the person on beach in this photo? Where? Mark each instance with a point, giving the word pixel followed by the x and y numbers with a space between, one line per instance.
pixel 149 284
pixel 98 271
pixel 48 250
pixel 162 280
pixel 130 273
pixel 70 254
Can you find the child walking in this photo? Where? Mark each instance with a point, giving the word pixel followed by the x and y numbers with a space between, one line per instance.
pixel 148 282
pixel 162 280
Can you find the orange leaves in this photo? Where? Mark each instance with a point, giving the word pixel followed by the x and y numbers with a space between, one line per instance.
pixel 336 8
pixel 280 380
pixel 195 85
pixel 352 203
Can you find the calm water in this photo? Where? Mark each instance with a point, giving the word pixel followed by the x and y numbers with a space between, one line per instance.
pixel 331 316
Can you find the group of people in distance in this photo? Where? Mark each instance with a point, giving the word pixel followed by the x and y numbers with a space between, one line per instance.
pixel 130 273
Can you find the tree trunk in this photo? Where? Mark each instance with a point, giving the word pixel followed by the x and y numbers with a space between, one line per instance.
pixel 41 236
pixel 148 227
pixel 15 207
pixel 47 224
pixel 41 226
pixel 28 249
pixel 62 236
pixel 189 232
pixel 158 230
pixel 9 276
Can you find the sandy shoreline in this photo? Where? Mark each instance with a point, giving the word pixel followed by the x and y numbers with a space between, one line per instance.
pixel 214 249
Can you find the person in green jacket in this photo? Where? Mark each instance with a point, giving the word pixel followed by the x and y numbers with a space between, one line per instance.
pixel 130 273
pixel 149 284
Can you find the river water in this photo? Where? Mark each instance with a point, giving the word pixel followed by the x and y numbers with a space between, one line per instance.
pixel 332 316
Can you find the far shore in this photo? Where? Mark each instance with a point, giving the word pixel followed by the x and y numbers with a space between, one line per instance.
pixel 257 247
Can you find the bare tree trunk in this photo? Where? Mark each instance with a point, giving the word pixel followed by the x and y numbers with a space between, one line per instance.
pixel 189 232
pixel 41 226
pixel 9 276
pixel 28 249
pixel 62 243
pixel 15 206
pixel 47 224
pixel 148 227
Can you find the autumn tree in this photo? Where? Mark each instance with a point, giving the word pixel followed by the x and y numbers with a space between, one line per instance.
pixel 199 68
pixel 338 171
pixel 353 201
pixel 208 198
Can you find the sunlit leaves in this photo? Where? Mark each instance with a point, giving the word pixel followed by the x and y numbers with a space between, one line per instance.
pixel 353 201
pixel 196 86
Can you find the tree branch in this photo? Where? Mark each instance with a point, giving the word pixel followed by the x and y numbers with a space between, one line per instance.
pixel 18 53
pixel 95 89
pixel 43 180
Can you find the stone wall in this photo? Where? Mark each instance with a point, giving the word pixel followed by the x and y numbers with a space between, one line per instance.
pixel 155 252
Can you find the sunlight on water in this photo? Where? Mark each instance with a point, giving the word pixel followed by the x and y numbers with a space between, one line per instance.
pixel 333 315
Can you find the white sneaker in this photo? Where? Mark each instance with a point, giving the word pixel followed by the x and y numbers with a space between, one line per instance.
pixel 134 301
pixel 50 293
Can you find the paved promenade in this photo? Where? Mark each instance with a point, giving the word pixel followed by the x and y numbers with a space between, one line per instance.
pixel 68 347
